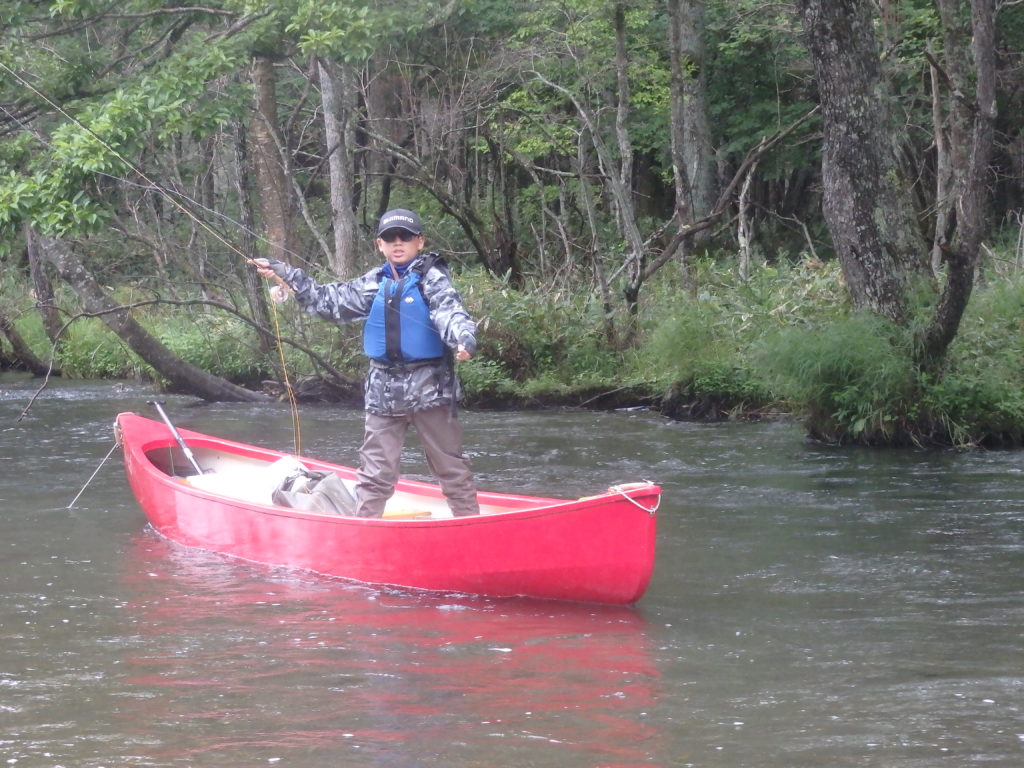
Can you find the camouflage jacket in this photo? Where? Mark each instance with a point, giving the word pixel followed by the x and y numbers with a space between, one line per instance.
pixel 392 390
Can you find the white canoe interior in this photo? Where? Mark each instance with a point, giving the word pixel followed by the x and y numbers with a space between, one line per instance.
pixel 254 480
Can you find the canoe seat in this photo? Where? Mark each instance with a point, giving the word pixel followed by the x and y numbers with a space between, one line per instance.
pixel 405 514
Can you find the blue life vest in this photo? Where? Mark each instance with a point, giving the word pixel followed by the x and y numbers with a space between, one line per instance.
pixel 398 328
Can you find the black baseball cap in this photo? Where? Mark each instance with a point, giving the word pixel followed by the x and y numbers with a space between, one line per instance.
pixel 400 218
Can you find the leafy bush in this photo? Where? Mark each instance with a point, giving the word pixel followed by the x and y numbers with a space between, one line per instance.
pixel 215 342
pixel 975 408
pixel 699 348
pixel 487 381
pixel 980 397
pixel 90 350
pixel 539 335
pixel 695 351
pixel 852 378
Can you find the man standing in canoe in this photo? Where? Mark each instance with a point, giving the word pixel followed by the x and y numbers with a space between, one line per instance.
pixel 415 328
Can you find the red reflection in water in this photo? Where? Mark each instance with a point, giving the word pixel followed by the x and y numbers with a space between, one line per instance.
pixel 245 664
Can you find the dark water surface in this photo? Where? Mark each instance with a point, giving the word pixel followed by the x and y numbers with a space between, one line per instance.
pixel 810 607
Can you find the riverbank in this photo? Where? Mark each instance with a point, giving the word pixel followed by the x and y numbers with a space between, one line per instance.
pixel 784 341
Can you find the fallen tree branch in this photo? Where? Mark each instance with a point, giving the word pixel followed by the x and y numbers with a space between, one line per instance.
pixel 334 373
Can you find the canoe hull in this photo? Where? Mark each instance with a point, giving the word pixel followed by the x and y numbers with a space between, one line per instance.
pixel 599 549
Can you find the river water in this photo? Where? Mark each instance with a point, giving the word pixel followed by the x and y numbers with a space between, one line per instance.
pixel 810 606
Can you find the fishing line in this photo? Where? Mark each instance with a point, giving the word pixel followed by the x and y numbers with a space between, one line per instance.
pixel 173 198
pixel 93 475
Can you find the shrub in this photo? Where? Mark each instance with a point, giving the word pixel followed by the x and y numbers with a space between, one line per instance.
pixel 215 342
pixel 551 339
pixel 90 350
pixel 852 379
pixel 980 397
pixel 486 381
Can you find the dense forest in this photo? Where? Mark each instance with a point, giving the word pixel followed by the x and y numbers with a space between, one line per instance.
pixel 716 207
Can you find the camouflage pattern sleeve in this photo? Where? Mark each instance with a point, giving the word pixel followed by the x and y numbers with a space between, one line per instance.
pixel 446 310
pixel 341 302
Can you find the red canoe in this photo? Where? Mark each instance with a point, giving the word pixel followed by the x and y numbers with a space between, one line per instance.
pixel 595 549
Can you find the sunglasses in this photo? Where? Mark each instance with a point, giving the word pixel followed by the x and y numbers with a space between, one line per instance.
pixel 397 234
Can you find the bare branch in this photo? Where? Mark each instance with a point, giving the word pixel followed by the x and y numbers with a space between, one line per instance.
pixel 726 196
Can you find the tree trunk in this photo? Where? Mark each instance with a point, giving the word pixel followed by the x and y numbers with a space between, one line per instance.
pixel 745 225
pixel 269 162
pixel 42 286
pixel 255 290
pixel 970 152
pixel 183 376
pixel 692 153
pixel 943 202
pixel 677 123
pixel 690 131
pixel 867 209
pixel 23 356
pixel 336 89
pixel 866 204
pixel 622 193
pixel 622 109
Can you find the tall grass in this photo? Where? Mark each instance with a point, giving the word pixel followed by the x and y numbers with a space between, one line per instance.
pixel 701 350
pixel 851 379
pixel 539 345
pixel 980 396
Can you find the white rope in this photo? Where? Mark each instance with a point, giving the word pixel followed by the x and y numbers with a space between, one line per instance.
pixel 95 472
pixel 621 490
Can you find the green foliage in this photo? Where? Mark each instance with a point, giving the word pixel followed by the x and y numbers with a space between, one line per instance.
pixel 102 140
pixel 214 342
pixel 535 334
pixel 488 381
pixel 354 31
pixel 29 326
pixel 980 396
pixel 852 378
pixel 89 350
pixel 702 346
pixel 347 31
pixel 975 407
pixel 218 343
pixel 758 79
pixel 573 45
pixel 691 339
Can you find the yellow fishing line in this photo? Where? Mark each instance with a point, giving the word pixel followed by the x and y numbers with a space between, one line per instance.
pixel 296 428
